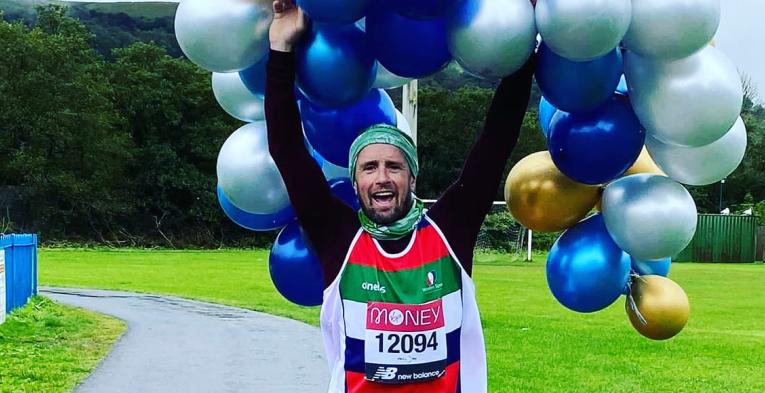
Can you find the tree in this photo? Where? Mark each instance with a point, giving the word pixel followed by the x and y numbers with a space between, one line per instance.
pixel 63 142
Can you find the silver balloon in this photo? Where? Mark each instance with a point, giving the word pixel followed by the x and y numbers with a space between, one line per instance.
pixel 492 38
pixel 583 30
pixel 223 35
pixel 700 166
pixel 247 173
pixel 234 97
pixel 649 216
pixel 688 102
pixel 388 80
pixel 671 29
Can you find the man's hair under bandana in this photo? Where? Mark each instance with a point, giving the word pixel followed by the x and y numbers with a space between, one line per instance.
pixel 388 135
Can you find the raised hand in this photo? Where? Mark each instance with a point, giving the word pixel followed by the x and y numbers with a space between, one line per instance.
pixel 288 25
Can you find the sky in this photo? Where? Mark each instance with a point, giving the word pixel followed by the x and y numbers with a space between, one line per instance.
pixel 741 36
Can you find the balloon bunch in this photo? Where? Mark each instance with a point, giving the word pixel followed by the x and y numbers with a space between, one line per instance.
pixel 626 143
pixel 353 50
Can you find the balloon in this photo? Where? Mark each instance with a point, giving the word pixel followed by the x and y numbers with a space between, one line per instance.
pixel 255 222
pixel 583 29
pixel 254 77
pixel 578 86
pixel 671 29
pixel 388 80
pixel 247 173
pixel 689 102
pixel 586 271
pixel 644 164
pixel 421 9
pixel 543 199
pixel 295 269
pixel 332 131
pixel 343 190
pixel 223 35
pixel 235 99
pixel 335 66
pixel 334 11
pixel 546 113
pixel 407 47
pixel 650 217
pixel 699 166
pixel 492 38
pixel 403 125
pixel 330 170
pixel 657 268
pixel 663 305
pixel 599 146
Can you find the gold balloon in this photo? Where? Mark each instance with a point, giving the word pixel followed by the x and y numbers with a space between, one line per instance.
pixel 663 305
pixel 543 199
pixel 645 164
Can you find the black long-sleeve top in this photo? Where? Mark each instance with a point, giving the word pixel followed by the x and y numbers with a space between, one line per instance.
pixel 331 225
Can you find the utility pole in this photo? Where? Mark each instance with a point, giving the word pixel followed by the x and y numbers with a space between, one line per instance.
pixel 409 106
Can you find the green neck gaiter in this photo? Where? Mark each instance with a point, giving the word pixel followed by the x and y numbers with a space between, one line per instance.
pixel 398 229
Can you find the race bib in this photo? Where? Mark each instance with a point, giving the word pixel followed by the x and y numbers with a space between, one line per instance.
pixel 405 343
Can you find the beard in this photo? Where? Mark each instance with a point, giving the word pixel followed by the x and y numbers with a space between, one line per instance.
pixel 398 212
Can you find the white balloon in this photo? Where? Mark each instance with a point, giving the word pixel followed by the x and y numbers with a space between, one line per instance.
pixel 403 124
pixel 223 35
pixel 492 38
pixel 388 80
pixel 247 173
pixel 689 102
pixel 671 29
pixel 583 30
pixel 234 97
pixel 700 166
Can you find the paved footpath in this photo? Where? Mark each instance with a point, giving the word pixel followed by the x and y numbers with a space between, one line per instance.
pixel 176 345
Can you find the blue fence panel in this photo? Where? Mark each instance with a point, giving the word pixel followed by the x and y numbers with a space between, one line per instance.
pixel 20 269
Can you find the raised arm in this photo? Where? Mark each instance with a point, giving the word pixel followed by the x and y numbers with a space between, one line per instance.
pixel 462 208
pixel 326 220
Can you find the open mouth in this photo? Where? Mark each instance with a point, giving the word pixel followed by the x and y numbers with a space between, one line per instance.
pixel 383 198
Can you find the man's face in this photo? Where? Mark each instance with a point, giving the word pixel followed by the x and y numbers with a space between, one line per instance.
pixel 384 183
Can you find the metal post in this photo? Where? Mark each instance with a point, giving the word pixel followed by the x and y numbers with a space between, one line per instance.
pixel 722 182
pixel 531 236
pixel 409 106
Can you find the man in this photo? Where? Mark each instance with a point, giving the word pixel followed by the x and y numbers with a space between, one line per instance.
pixel 399 311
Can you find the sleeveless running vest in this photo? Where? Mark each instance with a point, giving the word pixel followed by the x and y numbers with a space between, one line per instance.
pixel 403 323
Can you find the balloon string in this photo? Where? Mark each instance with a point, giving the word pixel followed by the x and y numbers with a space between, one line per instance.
pixel 631 299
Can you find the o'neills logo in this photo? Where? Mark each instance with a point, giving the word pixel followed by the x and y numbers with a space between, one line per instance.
pixel 405 318
pixel 376 287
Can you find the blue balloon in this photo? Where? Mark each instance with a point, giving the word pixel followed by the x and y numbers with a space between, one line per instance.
pixel 599 146
pixel 407 47
pixel 335 66
pixel 546 113
pixel 254 78
pixel 656 268
pixel 573 86
pixel 295 268
pixel 332 131
pixel 255 222
pixel 422 9
pixel 342 189
pixel 334 11
pixel 586 270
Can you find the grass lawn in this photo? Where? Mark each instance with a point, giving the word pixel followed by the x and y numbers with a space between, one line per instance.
pixel 47 347
pixel 533 343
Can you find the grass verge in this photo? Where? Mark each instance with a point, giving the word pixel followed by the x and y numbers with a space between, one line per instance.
pixel 48 347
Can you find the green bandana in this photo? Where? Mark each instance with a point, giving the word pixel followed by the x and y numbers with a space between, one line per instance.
pixel 398 229
pixel 388 135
